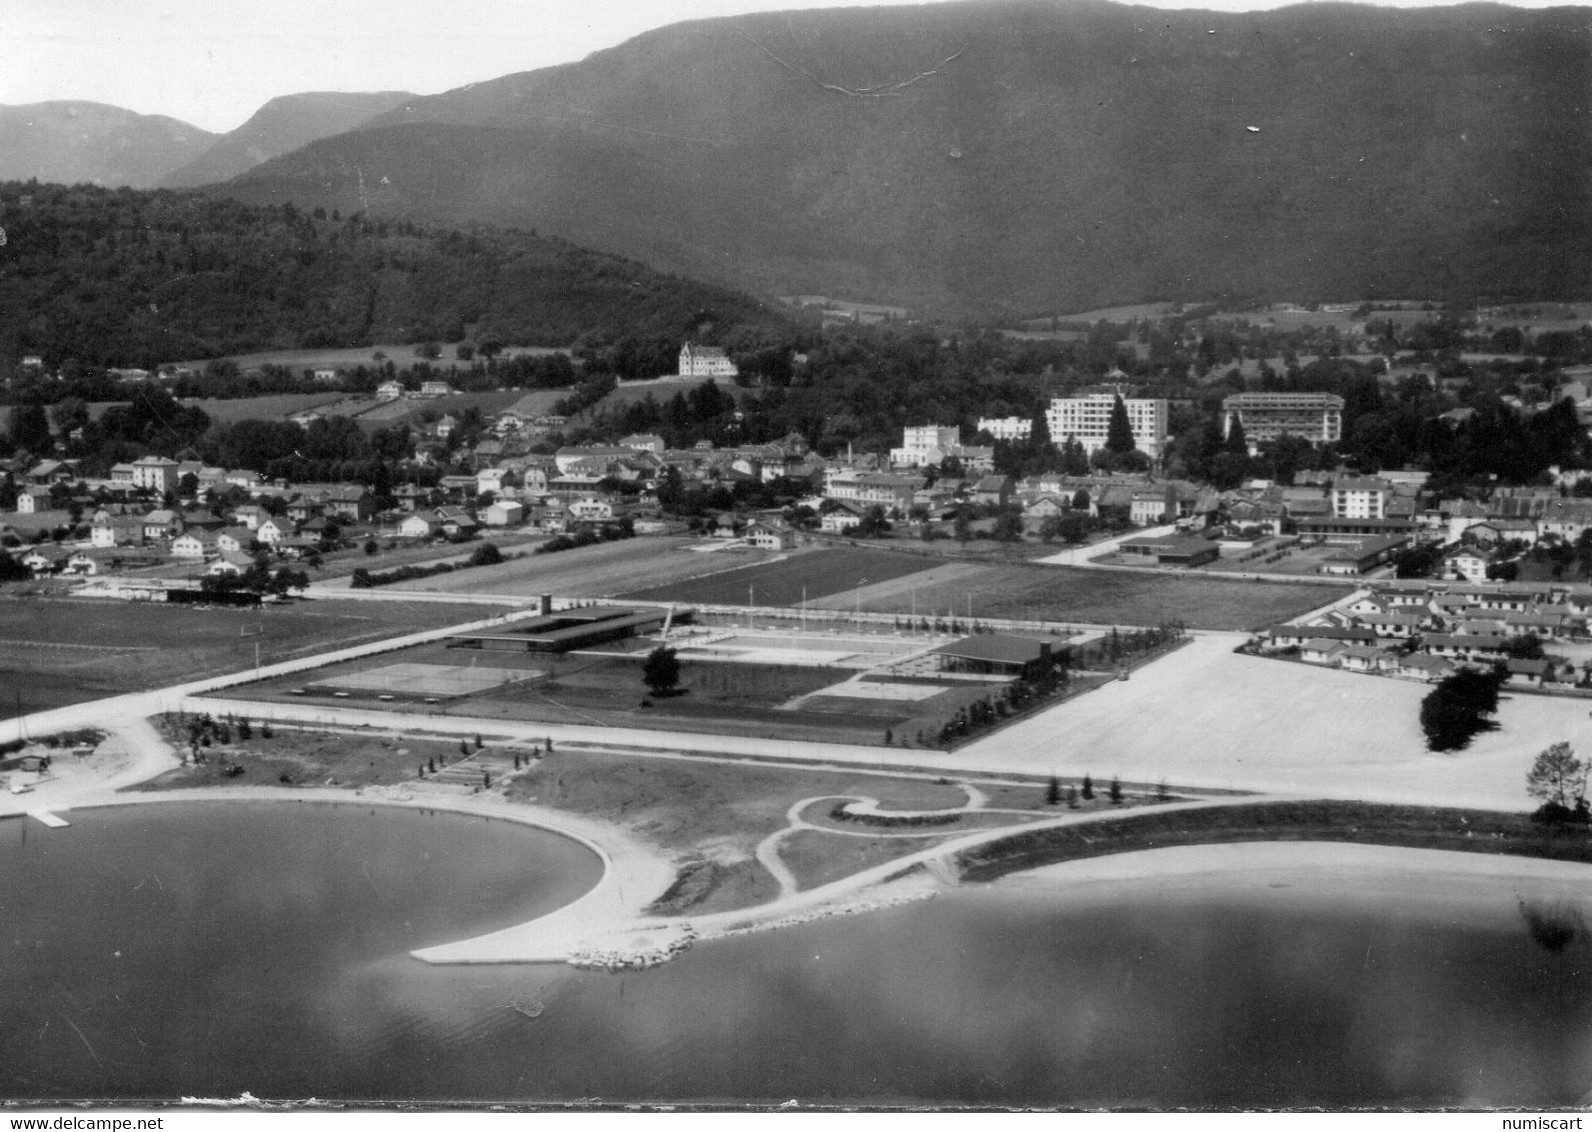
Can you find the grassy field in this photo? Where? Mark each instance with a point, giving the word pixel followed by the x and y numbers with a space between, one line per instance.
pixel 272 408
pixel 711 816
pixel 818 573
pixel 300 757
pixel 1060 593
pixel 63 651
pixel 602 570
pixel 1413 827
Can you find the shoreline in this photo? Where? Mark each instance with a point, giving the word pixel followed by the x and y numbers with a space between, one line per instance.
pixel 606 927
pixel 1431 884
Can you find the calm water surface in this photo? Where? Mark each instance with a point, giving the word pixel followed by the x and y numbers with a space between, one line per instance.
pixel 207 949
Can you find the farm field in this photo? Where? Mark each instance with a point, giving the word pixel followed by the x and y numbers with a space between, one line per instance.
pixel 400 355
pixel 821 572
pixel 601 570
pixel 64 651
pixel 272 408
pixel 1059 593
pixel 341 564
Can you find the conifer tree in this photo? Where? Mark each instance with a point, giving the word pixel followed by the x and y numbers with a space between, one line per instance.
pixel 1119 433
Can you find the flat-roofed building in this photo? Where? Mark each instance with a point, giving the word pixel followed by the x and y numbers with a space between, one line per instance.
pixel 1360 498
pixel 1316 417
pixel 1172 551
pixel 1088 420
pixel 996 654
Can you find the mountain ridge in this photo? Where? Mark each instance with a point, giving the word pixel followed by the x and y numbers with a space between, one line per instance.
pixel 1024 155
pixel 280 126
pixel 71 141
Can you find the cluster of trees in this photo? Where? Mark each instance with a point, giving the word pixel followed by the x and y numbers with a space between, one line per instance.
pixel 1459 708
pixel 261 578
pixel 589 534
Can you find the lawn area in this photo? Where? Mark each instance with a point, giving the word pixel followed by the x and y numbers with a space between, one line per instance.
pixel 293 756
pixel 710 816
pixel 818 573
pixel 1061 593
pixel 64 651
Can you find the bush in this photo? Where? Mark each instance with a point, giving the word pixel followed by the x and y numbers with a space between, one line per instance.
pixel 487 554
pixel 1558 814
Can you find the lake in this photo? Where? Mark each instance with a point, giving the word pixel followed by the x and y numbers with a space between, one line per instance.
pixel 205 949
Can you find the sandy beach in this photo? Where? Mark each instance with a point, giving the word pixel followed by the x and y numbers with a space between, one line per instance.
pixel 1430 883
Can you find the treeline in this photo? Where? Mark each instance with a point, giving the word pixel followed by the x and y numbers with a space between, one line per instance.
pixel 121 277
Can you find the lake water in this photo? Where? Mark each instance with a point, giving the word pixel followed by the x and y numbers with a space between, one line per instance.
pixel 157 951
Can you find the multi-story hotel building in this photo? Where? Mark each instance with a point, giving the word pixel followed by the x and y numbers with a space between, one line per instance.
pixel 1316 417
pixel 1088 419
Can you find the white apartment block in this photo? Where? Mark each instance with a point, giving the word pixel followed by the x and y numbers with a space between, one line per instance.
pixel 156 473
pixel 1007 428
pixel 1359 499
pixel 705 361
pixel 922 445
pixel 1088 420
pixel 1316 417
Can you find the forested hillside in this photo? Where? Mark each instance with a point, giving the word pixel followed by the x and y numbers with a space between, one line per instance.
pixel 139 278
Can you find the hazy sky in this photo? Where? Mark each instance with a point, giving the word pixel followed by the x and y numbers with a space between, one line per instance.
pixel 214 62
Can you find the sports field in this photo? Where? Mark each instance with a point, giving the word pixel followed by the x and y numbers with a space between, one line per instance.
pixel 812 574
pixel 1060 593
pixel 815 648
pixel 64 651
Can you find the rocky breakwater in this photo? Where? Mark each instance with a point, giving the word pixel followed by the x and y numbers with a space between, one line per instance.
pixel 636 954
